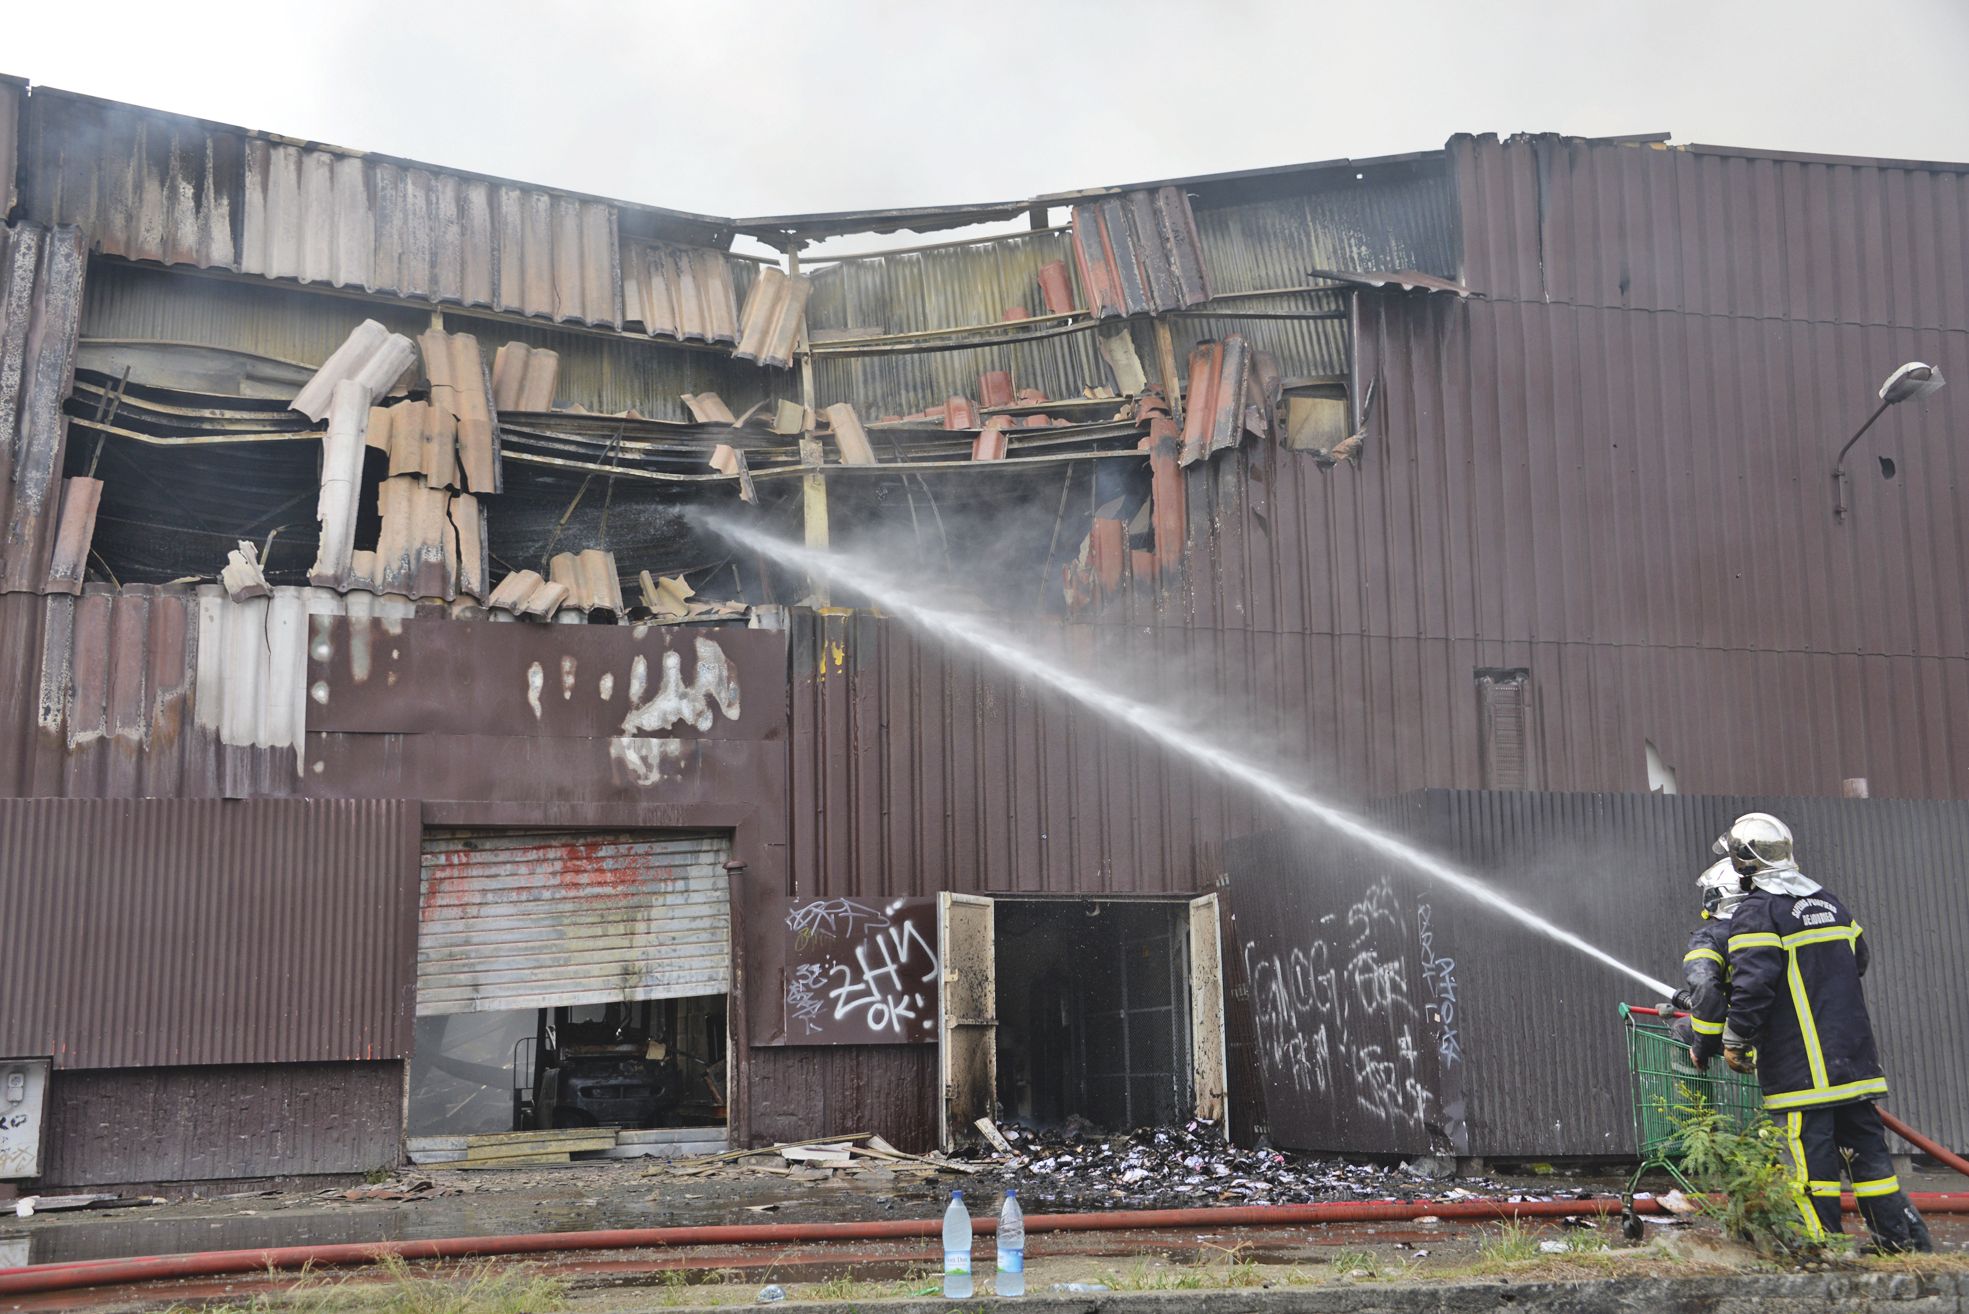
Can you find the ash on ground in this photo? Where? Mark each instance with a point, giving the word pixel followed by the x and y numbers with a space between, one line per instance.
pixel 1179 1167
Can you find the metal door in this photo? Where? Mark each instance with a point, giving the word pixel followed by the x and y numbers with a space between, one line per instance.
pixel 967 1034
pixel 541 919
pixel 1209 1072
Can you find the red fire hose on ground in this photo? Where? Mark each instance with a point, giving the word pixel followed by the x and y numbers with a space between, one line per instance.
pixel 113 1272
pixel 1923 1144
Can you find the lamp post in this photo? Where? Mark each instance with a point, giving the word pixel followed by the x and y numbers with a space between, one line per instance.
pixel 1911 380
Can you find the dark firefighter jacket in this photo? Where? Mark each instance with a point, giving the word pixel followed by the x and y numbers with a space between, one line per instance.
pixel 1705 966
pixel 1794 978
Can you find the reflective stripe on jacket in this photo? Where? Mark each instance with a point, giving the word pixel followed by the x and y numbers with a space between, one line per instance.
pixel 1705 967
pixel 1795 965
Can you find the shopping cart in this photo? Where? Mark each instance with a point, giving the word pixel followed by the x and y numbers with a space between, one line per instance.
pixel 1665 1079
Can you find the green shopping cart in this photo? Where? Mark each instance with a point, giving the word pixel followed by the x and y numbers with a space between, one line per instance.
pixel 1664 1078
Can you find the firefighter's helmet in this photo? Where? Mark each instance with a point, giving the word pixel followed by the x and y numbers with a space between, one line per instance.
pixel 1755 842
pixel 1722 889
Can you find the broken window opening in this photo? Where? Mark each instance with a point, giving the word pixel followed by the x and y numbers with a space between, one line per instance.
pixel 641 1065
pixel 1661 776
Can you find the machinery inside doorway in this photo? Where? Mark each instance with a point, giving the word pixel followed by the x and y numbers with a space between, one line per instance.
pixel 642 1063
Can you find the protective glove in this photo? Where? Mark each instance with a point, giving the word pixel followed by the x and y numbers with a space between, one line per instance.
pixel 1696 1060
pixel 1740 1060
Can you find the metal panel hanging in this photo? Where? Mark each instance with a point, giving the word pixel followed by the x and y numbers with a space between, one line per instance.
pixel 546 919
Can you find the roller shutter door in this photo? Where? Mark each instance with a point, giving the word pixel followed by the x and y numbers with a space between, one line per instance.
pixel 541 919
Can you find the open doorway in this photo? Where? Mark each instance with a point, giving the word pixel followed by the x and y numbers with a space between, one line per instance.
pixel 1100 1012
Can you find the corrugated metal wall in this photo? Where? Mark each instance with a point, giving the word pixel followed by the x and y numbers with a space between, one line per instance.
pixel 154 932
pixel 1543 1067
pixel 942 290
pixel 917 770
pixel 1714 231
pixel 1253 235
pixel 203 1124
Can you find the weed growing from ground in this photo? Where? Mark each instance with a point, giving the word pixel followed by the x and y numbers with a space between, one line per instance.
pixel 486 1288
pixel 1514 1242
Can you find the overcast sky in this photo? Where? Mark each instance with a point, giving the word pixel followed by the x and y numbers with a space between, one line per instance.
pixel 739 108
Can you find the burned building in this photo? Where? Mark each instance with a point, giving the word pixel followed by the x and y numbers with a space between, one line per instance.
pixel 390 748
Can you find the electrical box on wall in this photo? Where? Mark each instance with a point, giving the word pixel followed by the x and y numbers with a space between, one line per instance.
pixel 23 1098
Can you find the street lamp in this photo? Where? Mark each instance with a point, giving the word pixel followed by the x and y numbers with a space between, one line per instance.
pixel 1911 380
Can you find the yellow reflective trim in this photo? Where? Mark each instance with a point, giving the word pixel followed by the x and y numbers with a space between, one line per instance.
pixel 1808 1029
pixel 1878 1186
pixel 1793 1124
pixel 1798 1099
pixel 1820 935
pixel 1824 1190
pixel 1703 1028
pixel 1755 940
pixel 1710 954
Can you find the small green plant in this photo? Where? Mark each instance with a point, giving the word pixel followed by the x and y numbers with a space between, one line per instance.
pixel 1346 1263
pixel 1514 1242
pixel 486 1288
pixel 1742 1174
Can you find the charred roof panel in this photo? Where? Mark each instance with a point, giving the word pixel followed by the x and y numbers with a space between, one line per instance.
pixel 1139 254
pixel 775 316
pixel 679 292
pixel 173 932
pixel 40 313
pixel 151 186
pixel 142 185
pixel 13 91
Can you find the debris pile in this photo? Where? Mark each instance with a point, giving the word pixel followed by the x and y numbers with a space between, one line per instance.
pixel 1182 1166
pixel 860 1156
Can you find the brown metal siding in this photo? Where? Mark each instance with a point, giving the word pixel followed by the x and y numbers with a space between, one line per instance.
pixel 202 1124
pixel 1545 1068
pixel 916 770
pixel 801 1093
pixel 155 932
pixel 1709 231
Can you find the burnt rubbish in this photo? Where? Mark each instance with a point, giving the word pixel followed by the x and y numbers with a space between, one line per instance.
pixel 1172 1167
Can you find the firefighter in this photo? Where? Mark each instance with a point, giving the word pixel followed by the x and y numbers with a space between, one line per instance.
pixel 1707 997
pixel 1796 957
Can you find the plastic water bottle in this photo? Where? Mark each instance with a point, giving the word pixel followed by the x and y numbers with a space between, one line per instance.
pixel 957 1249
pixel 1010 1279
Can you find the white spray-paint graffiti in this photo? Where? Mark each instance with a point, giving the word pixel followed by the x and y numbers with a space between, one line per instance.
pixel 713 689
pixel 1440 975
pixel 867 971
pixel 1335 1017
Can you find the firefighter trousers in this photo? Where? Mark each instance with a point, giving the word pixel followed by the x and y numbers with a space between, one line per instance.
pixel 1821 1143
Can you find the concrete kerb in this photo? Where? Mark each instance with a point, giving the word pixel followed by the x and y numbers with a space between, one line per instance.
pixel 1743 1293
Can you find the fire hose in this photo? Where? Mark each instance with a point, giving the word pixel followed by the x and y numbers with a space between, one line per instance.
pixel 152 1268
pixel 1922 1143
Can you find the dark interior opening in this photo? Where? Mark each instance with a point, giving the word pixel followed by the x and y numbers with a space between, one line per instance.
pixel 1093 1013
